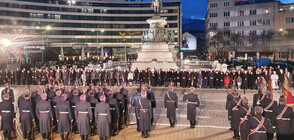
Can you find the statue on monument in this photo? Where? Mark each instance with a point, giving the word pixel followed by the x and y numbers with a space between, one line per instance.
pixel 156 5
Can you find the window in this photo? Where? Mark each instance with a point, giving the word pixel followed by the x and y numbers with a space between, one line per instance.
pixel 227 33
pixel 226 24
pixel 212 15
pixel 283 55
pixel 240 23
pixel 266 11
pixel 227 14
pixel 226 4
pixel 252 22
pixel 266 22
pixel 213 5
pixel 252 12
pixel 241 13
pixel 253 32
pixel 213 25
pixel 290 20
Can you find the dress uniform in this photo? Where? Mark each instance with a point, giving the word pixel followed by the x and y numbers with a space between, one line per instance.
pixel 45 115
pixel 121 105
pixel 64 117
pixel 99 93
pixel 103 118
pixel 232 109
pixel 144 114
pixel 259 126
pixel 171 104
pixel 8 91
pixel 134 101
pixel 283 115
pixel 7 115
pixel 74 99
pixel 151 98
pixel 93 101
pixel 114 112
pixel 125 92
pixel 244 112
pixel 25 107
pixel 83 115
pixel 269 105
pixel 230 98
pixel 259 97
pixel 192 102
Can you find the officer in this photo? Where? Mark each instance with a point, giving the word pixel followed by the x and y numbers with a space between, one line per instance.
pixel 114 112
pixel 121 105
pixel 125 92
pixel 144 114
pixel 8 91
pixel 151 98
pixel 50 92
pixel 268 105
pixel 45 115
pixel 103 118
pixel 27 116
pixel 230 98
pixel 259 126
pixel 74 99
pixel 171 104
pixel 64 117
pixel 192 102
pixel 93 101
pixel 233 105
pixel 7 114
pixel 134 100
pixel 244 111
pixel 283 115
pixel 83 115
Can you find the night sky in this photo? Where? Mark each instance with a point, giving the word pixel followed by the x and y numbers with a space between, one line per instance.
pixel 197 8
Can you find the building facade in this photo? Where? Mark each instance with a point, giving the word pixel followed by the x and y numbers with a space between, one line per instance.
pixel 100 24
pixel 249 28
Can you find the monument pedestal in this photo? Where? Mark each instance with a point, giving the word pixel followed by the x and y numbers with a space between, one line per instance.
pixel 152 65
pixel 155 50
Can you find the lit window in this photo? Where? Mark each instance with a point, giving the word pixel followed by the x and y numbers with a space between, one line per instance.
pixel 266 11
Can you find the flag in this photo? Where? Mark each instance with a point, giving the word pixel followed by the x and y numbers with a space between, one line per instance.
pixel 287 92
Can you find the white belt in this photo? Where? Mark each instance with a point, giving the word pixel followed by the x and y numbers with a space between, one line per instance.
pixel 26 111
pixel 268 110
pixel 44 111
pixel 82 112
pixel 102 114
pixel 112 108
pixel 63 112
pixel 74 106
pixel 259 131
pixel 285 119
pixel 243 118
pixel 5 111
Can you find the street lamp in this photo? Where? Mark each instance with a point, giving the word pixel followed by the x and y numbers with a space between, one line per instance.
pixel 71 2
pixel 5 42
pixel 48 28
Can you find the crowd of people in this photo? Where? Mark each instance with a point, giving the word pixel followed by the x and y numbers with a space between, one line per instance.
pixel 203 78
pixel 88 111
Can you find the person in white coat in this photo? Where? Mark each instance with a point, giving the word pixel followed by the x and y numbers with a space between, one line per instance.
pixel 275 78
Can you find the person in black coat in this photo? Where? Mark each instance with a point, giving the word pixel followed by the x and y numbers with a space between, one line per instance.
pixel 183 75
pixel 7 115
pixel 192 102
pixel 121 106
pixel 114 112
pixel 171 104
pixel 8 91
pixel 151 98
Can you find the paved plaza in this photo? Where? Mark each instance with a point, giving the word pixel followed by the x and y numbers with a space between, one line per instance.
pixel 212 120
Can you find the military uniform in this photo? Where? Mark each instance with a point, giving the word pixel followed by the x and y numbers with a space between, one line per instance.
pixel 283 115
pixel 121 105
pixel 144 115
pixel 9 92
pixel 269 106
pixel 171 104
pixel 63 113
pixel 192 102
pixel 26 116
pixel 230 98
pixel 114 112
pixel 103 119
pixel 127 102
pixel 258 127
pixel 134 101
pixel 83 115
pixel 7 115
pixel 244 113
pixel 45 115
pixel 151 98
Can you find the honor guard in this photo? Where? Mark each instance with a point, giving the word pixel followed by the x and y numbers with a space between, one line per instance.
pixel 93 101
pixel 8 91
pixel 283 115
pixel 259 126
pixel 7 115
pixel 269 105
pixel 121 105
pixel 257 98
pixel 114 112
pixel 151 98
pixel 244 113
pixel 134 101
pixel 125 92
pixel 233 105
pixel 144 114
pixel 99 93
pixel 192 102
pixel 171 104
pixel 103 118
pixel 45 115
pixel 64 117
pixel 230 98
pixel 27 116
pixel 83 115
pixel 74 99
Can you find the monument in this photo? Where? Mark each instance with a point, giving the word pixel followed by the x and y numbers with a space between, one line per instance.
pixel 157 50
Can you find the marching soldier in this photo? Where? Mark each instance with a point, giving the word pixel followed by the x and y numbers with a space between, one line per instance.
pixel 269 105
pixel 114 112
pixel 192 102
pixel 127 102
pixel 7 115
pixel 259 126
pixel 151 98
pixel 171 104
pixel 121 105
pixel 244 112
pixel 283 115
pixel 103 118
pixel 27 116
pixel 83 115
pixel 233 110
pixel 8 91
pixel 45 115
pixel 64 117
pixel 144 114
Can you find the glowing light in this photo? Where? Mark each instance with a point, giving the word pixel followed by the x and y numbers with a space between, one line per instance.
pixel 92 30
pixel 5 42
pixel 48 27
pixel 73 2
pixel 38 27
pixel 291 7
pixel 281 30
pixel 102 31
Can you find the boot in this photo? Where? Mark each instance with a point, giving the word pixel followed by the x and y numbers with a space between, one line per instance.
pixel 194 124
pixel 44 136
pixel 191 124
pixel 101 138
pixel 86 137
pixel 25 136
pixel 62 136
pixel 5 133
pixel 143 134
pixel 171 122
pixel 66 135
pixel 237 134
pixel 147 134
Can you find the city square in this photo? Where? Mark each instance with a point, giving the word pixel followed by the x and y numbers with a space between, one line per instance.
pixel 147 69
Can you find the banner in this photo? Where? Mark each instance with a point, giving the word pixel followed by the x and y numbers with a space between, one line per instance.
pixel 287 92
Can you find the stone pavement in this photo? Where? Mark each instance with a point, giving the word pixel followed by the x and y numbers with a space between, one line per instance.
pixel 212 120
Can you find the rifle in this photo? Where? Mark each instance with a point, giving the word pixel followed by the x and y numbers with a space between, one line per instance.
pixel 117 125
pixel 51 130
pixel 123 119
pixel 14 130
